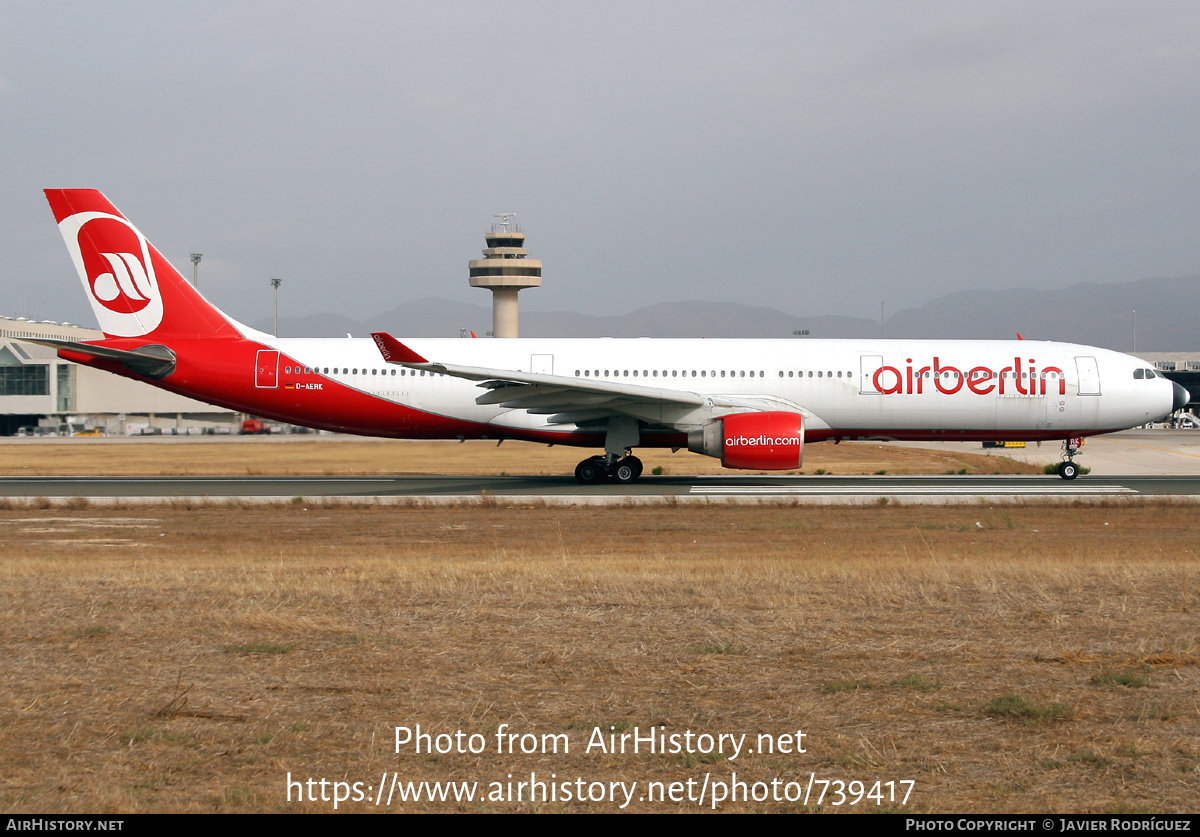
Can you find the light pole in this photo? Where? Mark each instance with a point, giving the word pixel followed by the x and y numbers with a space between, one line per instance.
pixel 275 283
pixel 196 269
pixel 1135 330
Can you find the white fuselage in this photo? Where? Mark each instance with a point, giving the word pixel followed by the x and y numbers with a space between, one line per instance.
pixel 846 388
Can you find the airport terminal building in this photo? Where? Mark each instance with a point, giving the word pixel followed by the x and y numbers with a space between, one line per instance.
pixel 47 395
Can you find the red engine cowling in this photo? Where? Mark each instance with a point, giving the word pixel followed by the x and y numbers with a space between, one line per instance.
pixel 770 441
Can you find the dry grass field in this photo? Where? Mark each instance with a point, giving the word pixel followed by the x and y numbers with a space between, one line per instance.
pixel 354 456
pixel 1003 658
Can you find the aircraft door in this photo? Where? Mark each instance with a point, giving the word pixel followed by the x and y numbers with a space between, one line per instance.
pixel 1089 375
pixel 869 365
pixel 266 369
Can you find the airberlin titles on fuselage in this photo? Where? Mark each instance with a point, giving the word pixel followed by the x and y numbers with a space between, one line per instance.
pixel 981 380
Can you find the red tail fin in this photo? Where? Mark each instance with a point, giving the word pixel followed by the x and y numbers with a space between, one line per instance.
pixel 133 289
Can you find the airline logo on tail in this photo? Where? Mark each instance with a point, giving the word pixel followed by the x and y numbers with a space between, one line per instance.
pixel 113 260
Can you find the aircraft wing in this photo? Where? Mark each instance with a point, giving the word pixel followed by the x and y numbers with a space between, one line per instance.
pixel 568 399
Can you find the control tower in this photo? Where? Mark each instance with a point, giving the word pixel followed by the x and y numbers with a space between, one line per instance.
pixel 504 270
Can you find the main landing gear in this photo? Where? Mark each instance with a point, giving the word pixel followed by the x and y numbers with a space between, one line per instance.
pixel 1067 469
pixel 618 462
pixel 599 469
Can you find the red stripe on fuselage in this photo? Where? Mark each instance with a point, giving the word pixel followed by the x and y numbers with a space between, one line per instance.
pixel 220 371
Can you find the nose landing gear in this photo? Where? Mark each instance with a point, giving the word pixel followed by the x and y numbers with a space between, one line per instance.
pixel 1067 469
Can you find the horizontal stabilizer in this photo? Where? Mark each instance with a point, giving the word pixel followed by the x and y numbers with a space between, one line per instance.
pixel 153 361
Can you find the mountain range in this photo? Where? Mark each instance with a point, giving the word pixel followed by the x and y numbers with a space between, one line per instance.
pixel 1094 314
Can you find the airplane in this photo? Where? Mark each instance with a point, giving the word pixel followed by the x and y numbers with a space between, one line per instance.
pixel 751 403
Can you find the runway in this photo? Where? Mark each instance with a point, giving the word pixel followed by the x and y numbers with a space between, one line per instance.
pixel 647 489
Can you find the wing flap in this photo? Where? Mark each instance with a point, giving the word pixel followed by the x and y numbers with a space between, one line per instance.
pixel 568 400
pixel 394 351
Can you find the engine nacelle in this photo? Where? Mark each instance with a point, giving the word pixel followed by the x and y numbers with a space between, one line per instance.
pixel 770 441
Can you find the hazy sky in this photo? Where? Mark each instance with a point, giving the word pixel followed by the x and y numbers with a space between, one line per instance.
pixel 813 157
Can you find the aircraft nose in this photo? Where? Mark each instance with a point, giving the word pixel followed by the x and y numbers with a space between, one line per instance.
pixel 1182 397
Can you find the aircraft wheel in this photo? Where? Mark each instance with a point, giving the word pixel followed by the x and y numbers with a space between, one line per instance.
pixel 636 463
pixel 624 471
pixel 590 471
pixel 1068 470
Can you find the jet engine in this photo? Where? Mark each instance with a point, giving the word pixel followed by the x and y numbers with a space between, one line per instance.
pixel 767 441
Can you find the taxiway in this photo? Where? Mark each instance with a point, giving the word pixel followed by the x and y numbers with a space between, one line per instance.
pixel 648 489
